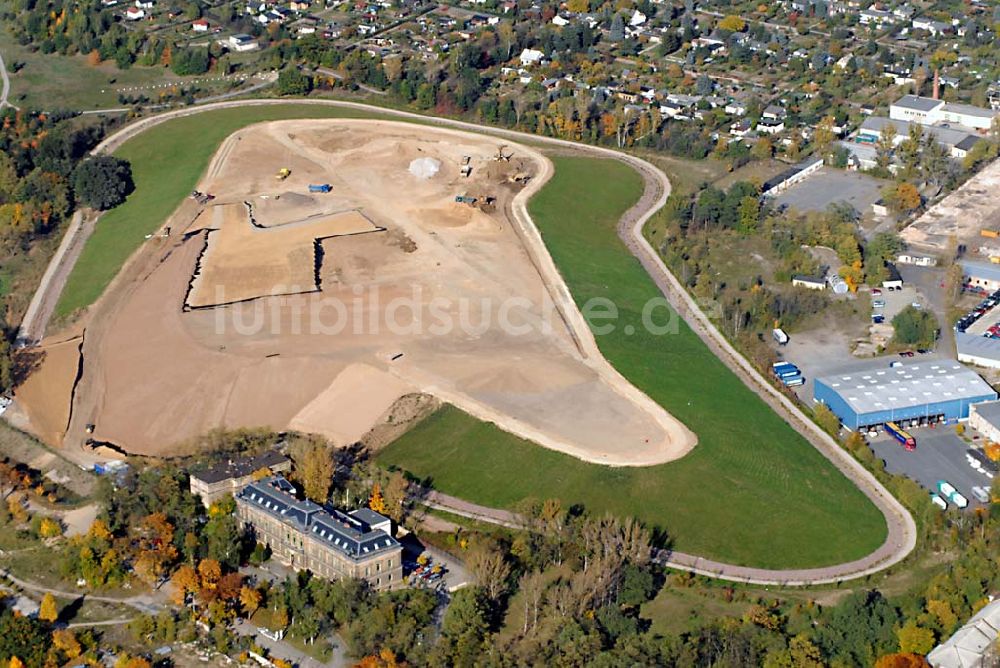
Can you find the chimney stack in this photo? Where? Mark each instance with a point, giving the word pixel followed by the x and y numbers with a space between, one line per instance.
pixel 937 85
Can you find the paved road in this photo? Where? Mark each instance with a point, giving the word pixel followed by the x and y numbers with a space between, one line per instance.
pixel 144 603
pixel 901 537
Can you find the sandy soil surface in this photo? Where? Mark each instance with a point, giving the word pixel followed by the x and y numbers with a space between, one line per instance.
pixel 242 261
pixel 45 394
pixel 446 299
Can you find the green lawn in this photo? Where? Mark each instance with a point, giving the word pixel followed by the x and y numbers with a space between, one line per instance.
pixel 167 162
pixel 752 492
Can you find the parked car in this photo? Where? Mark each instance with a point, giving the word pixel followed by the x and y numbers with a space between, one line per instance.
pixel 878 303
pixel 876 292
pixel 982 494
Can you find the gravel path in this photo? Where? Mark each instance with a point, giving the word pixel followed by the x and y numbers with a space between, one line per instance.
pixel 901 538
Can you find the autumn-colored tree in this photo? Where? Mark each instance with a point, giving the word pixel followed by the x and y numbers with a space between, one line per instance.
pixel 732 23
pixel 250 599
pixel 375 501
pixel 17 510
pixel 211 572
pixel 49 528
pixel 386 658
pixel 914 639
pixel 945 614
pixel 98 529
pixel 395 493
pixel 185 581
pixel 65 641
pixel 907 197
pixel 824 134
pixel 15 663
pixel 313 467
pixel 901 660
pixel 49 610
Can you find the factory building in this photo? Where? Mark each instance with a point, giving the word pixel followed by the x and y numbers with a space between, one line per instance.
pixel 921 392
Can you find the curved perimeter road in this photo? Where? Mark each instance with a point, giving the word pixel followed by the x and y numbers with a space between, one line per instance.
pixel 902 531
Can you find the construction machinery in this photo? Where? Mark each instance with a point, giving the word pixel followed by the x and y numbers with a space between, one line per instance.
pixel 520 177
pixel 202 198
pixel 501 156
pixel 320 188
pixel 283 174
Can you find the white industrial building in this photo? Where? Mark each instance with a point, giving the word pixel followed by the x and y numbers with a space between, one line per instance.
pixel 928 111
pixel 985 418
pixel 971 646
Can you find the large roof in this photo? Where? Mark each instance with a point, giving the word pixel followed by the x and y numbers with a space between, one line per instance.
pixel 240 467
pixel 349 534
pixel 917 103
pixel 968 646
pixel 890 388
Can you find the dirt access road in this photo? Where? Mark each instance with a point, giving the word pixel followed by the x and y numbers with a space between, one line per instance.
pixel 901 538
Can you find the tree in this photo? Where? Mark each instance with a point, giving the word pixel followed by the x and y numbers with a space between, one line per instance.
pixel 293 82
pixel 375 501
pixel 749 214
pixel 732 23
pixel 826 419
pixel 395 496
pixel 491 570
pixel 914 639
pixel 617 33
pixel 903 198
pixel 185 581
pixel 250 599
pixel 49 610
pixel 902 660
pixel 103 182
pixel 313 467
pixel 915 327
pixel 66 642
pixel 824 135
pixel 884 145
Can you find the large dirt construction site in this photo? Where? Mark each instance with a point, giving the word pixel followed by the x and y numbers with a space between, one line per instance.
pixel 275 306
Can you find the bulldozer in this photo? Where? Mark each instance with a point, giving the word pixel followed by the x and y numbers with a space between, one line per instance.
pixel 283 173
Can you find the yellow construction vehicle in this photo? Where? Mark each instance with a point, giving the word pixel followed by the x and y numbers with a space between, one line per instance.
pixel 283 173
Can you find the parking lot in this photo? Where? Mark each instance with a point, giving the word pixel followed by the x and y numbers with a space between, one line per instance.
pixel 940 455
pixel 435 569
pixel 828 186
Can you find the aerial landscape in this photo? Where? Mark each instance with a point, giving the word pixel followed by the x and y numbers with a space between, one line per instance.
pixel 500 333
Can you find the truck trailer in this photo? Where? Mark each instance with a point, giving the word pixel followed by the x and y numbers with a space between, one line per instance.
pixel 901 435
pixel 320 188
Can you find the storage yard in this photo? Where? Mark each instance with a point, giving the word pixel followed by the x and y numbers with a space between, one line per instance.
pixel 385 230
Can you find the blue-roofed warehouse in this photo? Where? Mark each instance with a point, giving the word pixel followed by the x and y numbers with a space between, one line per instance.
pixel 933 391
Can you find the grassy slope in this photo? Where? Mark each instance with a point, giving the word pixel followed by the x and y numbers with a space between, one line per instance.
pixel 752 492
pixel 167 162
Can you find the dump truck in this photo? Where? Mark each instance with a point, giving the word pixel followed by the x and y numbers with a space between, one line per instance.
pixel 465 199
pixel 320 188
pixel 283 173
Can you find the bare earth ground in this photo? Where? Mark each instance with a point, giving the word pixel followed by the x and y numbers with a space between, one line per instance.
pixel 410 293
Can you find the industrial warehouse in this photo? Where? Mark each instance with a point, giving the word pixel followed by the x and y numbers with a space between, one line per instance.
pixel 920 393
